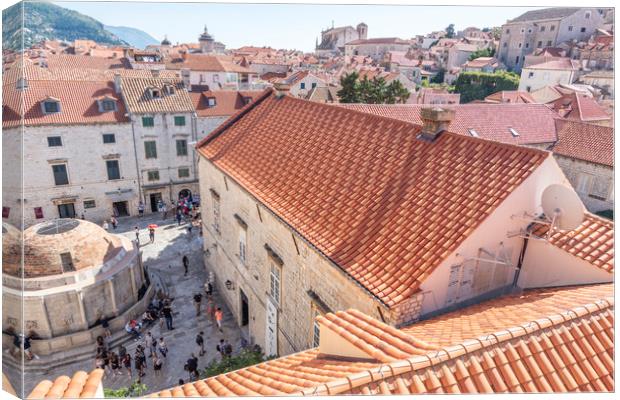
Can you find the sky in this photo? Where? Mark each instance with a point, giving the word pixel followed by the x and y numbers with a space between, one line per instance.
pixel 290 26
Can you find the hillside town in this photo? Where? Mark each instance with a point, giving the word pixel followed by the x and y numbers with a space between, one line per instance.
pixel 382 215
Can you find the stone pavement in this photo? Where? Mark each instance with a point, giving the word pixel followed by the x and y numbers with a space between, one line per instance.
pixel 165 256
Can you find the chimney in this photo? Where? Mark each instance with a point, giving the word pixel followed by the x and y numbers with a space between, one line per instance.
pixel 21 84
pixel 281 89
pixel 117 83
pixel 435 120
pixel 155 73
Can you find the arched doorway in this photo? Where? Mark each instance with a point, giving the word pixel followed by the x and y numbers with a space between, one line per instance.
pixel 185 193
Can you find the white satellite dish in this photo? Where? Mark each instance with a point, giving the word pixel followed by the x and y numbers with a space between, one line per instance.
pixel 563 207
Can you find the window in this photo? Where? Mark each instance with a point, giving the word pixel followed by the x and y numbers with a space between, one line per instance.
pixel 155 93
pixel 302 85
pixel 522 30
pixel 211 101
pixel 38 212
pixel 527 45
pixel 153 175
pixel 67 262
pixel 216 78
pixel 507 31
pixel 150 149
pixel 148 122
pixel 108 105
pixel 519 45
pixel 552 28
pixel 109 138
pixel 89 203
pixel 513 132
pixel 274 283
pixel 583 183
pixel 179 121
pixel 529 30
pixel 113 170
pixel 528 88
pixel 517 60
pixel 5 212
pixel 216 213
pixel 549 43
pixel 54 141
pixel 183 172
pixel 588 14
pixel 181 147
pixel 51 107
pixel 316 328
pixel 600 188
pixel 247 100
pixel 505 44
pixel 570 28
pixel 583 30
pixel 169 89
pixel 313 85
pixel 542 28
pixel 540 43
pixel 60 174
pixel 242 241
pixel 473 133
pixel 530 75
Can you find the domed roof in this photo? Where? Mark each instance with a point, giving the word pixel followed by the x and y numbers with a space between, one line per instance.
pixel 60 246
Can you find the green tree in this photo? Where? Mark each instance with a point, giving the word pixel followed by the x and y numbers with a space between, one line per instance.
pixel 245 358
pixel 478 85
pixel 349 91
pixel 450 31
pixel 482 53
pixel 396 93
pixel 136 389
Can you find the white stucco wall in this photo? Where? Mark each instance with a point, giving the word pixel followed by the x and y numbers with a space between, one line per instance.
pixel 542 78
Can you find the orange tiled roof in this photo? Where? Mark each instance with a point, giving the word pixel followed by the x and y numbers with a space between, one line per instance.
pixel 510 96
pixel 134 92
pixel 78 104
pixel 505 311
pixel 203 62
pixel 371 202
pixel 592 241
pixel 82 385
pixel 568 352
pixel 227 102
pixel 579 107
pixel 490 121
pixel 583 141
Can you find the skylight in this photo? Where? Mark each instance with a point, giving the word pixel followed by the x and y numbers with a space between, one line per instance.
pixel 514 132
pixel 473 133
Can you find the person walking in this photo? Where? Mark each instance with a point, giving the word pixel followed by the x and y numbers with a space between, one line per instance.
pixel 105 225
pixel 197 301
pixel 163 349
pixel 114 222
pixel 148 342
pixel 167 310
pixel 137 232
pixel 179 218
pixel 219 315
pixel 211 310
pixel 192 367
pixel 126 360
pixel 115 364
pixel 157 364
pixel 152 234
pixel 220 348
pixel 200 341
pixel 186 264
pixel 164 210
pixel 141 209
pixel 139 362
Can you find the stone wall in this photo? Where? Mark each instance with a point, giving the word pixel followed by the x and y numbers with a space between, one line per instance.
pixel 307 277
pixel 574 168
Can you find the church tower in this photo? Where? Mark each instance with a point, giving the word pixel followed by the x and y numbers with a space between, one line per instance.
pixel 206 42
pixel 362 31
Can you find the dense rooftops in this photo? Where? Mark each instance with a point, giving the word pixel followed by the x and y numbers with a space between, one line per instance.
pixel 584 141
pixel 152 95
pixel 363 189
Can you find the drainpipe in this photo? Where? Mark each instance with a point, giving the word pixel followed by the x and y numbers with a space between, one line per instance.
pixel 135 153
pixel 520 261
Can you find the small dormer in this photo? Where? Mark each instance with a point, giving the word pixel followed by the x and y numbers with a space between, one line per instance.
pixel 153 92
pixel 247 100
pixel 107 103
pixel 50 105
pixel 211 101
pixel 169 89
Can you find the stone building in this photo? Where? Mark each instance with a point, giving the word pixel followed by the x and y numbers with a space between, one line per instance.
pixel 375 48
pixel 545 28
pixel 73 275
pixel 163 126
pixel 218 72
pixel 299 222
pixel 585 152
pixel 63 117
pixel 550 73
pixel 334 39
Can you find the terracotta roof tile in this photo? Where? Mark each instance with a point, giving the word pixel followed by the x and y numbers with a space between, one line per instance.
pixel 78 104
pixel 592 241
pixel 392 194
pixel 579 107
pixel 227 102
pixel 490 121
pixel 135 94
pixel 81 384
pixel 510 96
pixel 203 62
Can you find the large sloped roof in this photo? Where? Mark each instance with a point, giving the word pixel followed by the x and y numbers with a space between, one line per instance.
pixel 135 93
pixel 383 205
pixel 584 141
pixel 546 13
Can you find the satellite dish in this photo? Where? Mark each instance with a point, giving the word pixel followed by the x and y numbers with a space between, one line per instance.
pixel 563 207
